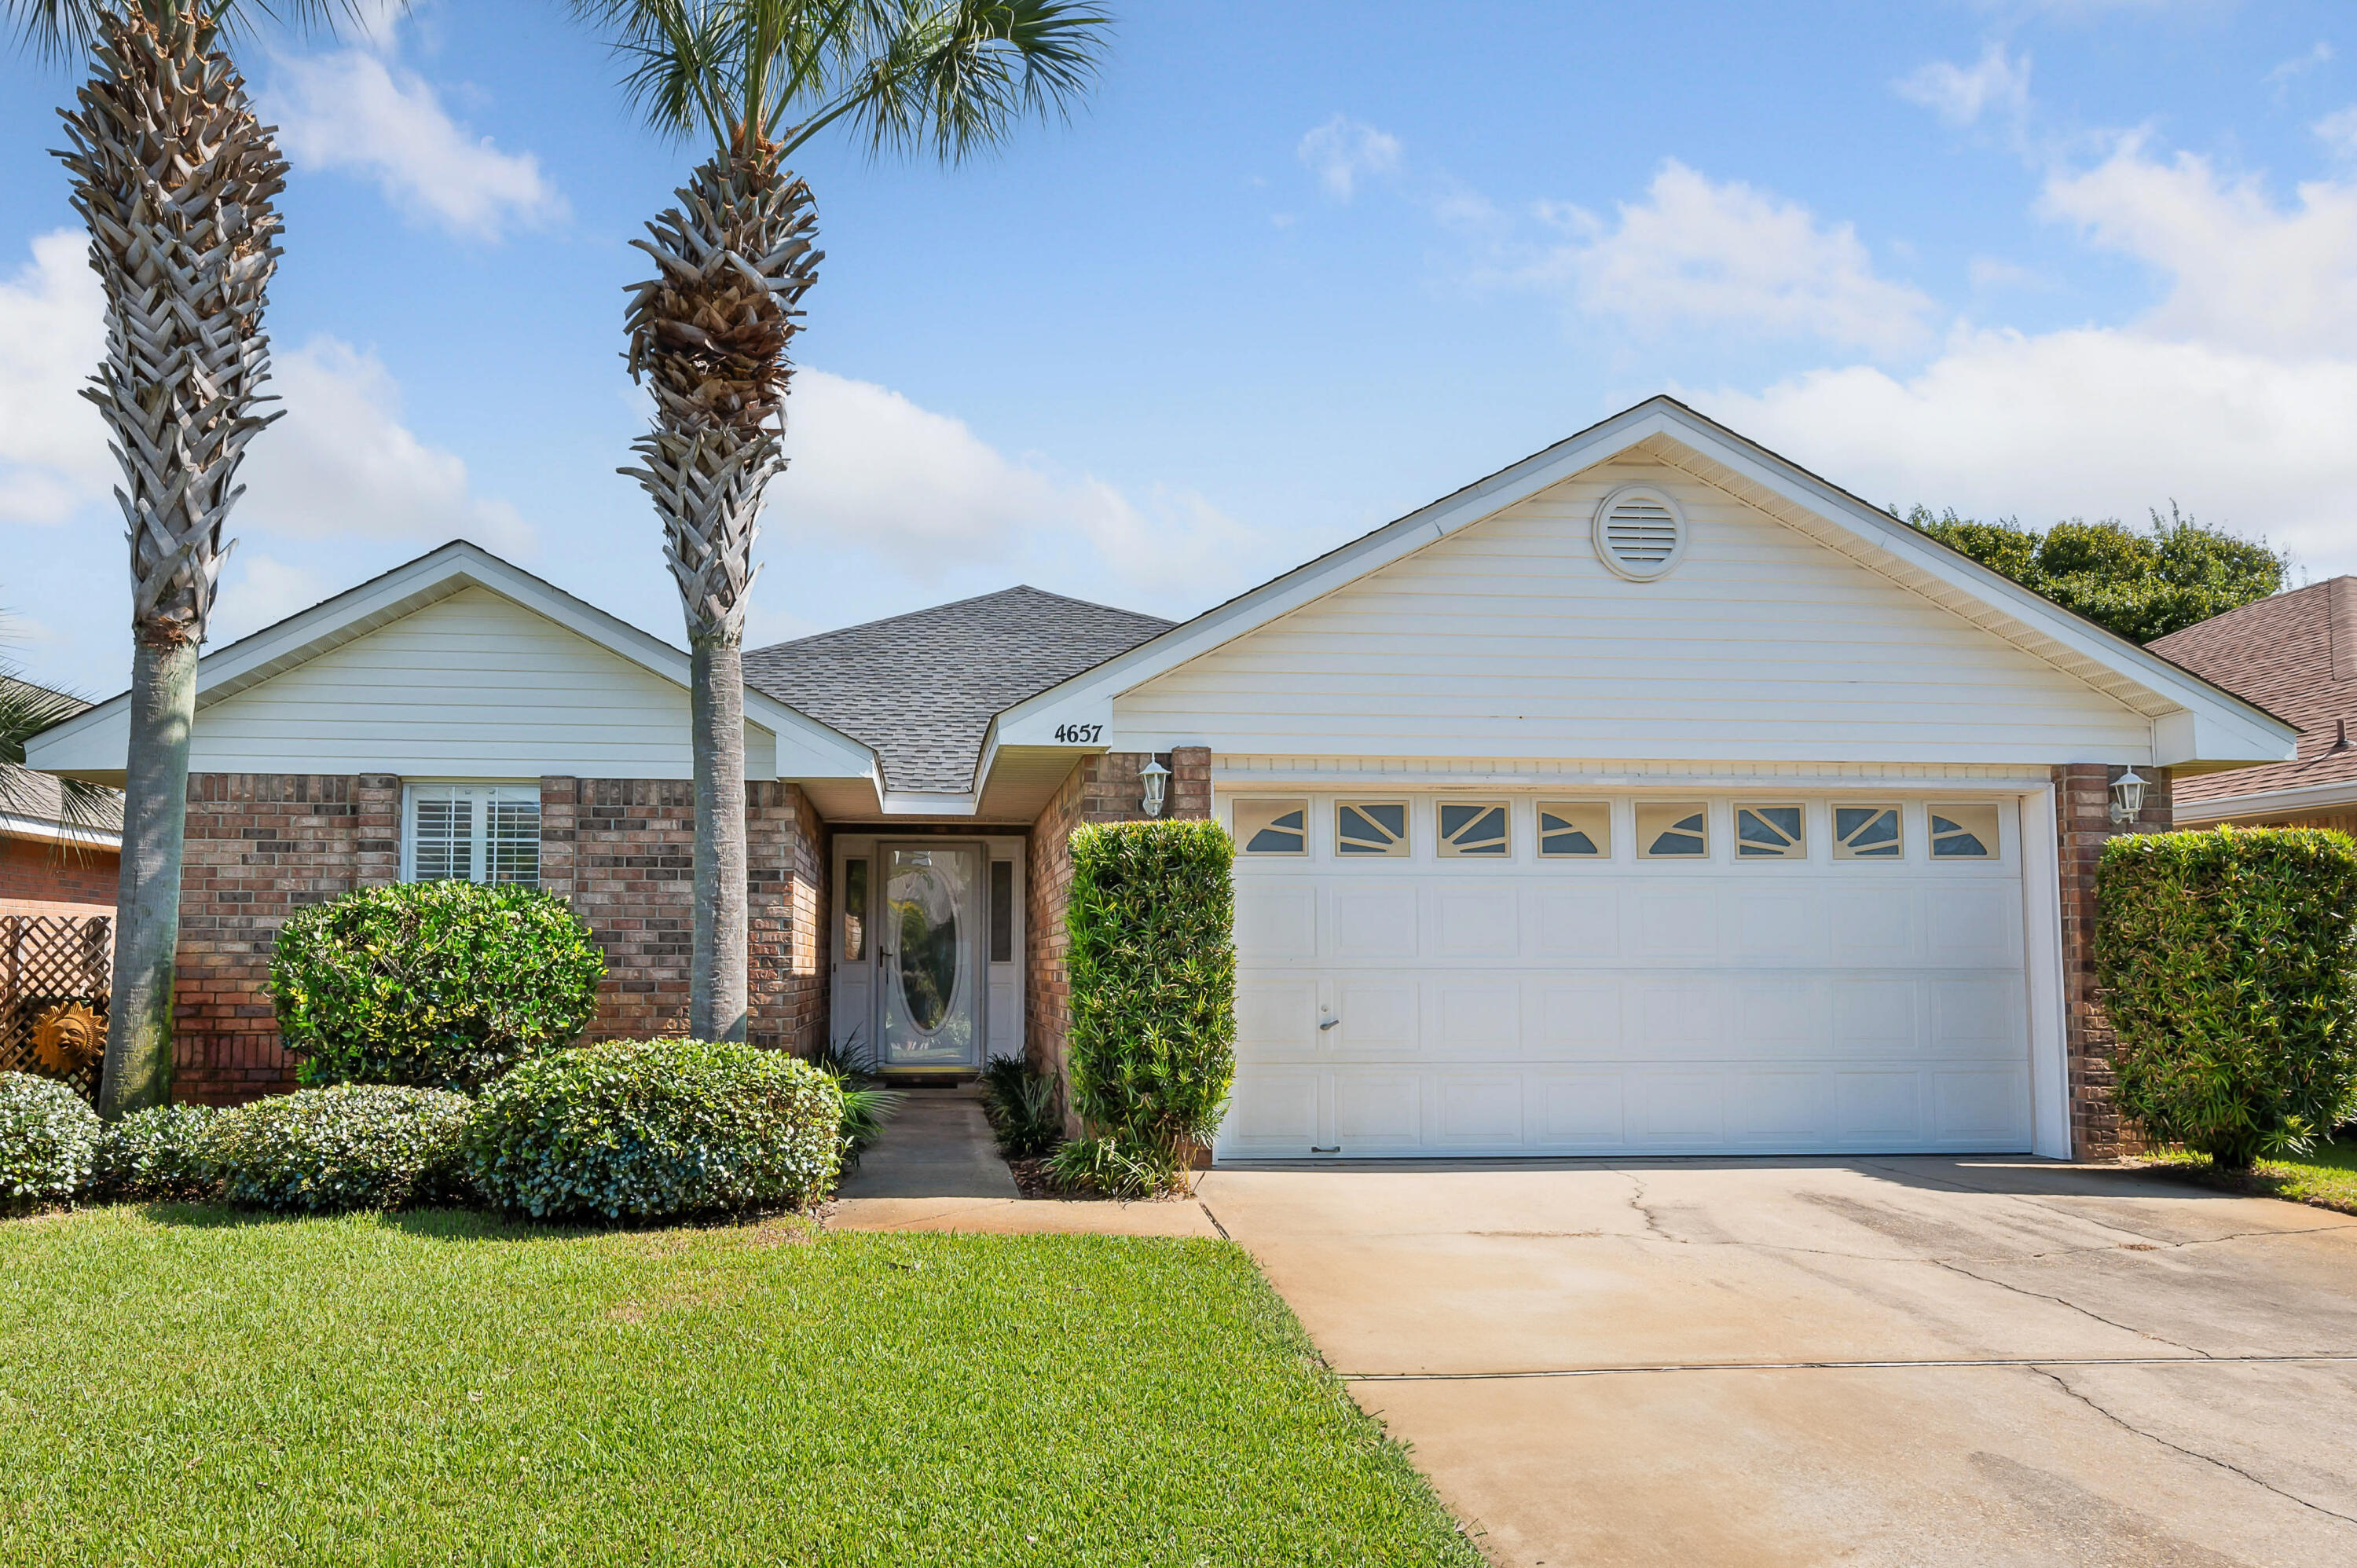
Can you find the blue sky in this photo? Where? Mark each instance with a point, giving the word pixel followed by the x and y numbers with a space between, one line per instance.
pixel 1293 271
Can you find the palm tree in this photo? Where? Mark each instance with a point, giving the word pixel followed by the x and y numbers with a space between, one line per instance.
pixel 174 176
pixel 710 331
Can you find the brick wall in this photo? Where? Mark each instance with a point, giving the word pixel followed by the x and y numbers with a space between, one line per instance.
pixel 38 878
pixel 621 850
pixel 2082 809
pixel 1103 788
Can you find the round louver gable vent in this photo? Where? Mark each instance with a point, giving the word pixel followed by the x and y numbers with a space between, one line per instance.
pixel 1640 533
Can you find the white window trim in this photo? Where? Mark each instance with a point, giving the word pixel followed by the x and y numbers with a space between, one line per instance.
pixel 490 792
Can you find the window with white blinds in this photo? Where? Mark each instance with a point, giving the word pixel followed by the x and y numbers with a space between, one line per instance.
pixel 472 832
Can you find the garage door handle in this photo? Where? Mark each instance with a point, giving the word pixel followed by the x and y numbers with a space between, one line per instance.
pixel 1327 1025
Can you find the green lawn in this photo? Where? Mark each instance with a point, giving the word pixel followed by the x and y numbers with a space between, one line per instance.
pixel 2327 1178
pixel 191 1385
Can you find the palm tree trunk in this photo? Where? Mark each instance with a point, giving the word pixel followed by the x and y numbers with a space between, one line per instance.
pixel 718 989
pixel 174 176
pixel 137 1072
pixel 710 333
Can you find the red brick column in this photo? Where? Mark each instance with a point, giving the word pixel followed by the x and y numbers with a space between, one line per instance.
pixel 2082 811
pixel 786 884
pixel 1102 789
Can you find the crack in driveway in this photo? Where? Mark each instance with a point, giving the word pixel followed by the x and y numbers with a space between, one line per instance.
pixel 2035 1363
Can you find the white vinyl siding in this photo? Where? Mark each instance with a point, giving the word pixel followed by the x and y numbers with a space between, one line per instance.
pixel 473 685
pixel 471 833
pixel 1512 639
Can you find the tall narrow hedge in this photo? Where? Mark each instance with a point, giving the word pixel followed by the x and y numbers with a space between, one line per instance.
pixel 1152 968
pixel 432 984
pixel 2228 961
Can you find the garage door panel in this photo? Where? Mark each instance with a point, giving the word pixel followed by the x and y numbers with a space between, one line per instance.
pixel 1577 1110
pixel 1475 923
pixel 1276 1015
pixel 1785 924
pixel 1574 925
pixel 1276 921
pixel 1877 1109
pixel 1604 1006
pixel 1481 1111
pixel 1779 1107
pixel 1375 921
pixel 1377 1112
pixel 1478 1020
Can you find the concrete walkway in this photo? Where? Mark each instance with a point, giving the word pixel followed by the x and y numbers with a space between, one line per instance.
pixel 937 1168
pixel 1893 1361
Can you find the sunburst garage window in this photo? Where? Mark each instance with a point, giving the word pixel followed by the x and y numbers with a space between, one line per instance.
pixel 1964 832
pixel 1371 827
pixel 1866 833
pixel 1575 830
pixel 1674 832
pixel 1272 827
pixel 1474 828
pixel 472 832
pixel 1772 832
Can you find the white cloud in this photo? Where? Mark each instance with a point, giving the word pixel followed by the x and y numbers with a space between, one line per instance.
pixel 1693 253
pixel 871 470
pixel 1342 151
pixel 1991 272
pixel 2300 65
pixel 261 590
pixel 2244 271
pixel 2235 394
pixel 353 110
pixel 53 451
pixel 342 464
pixel 1961 95
pixel 2339 130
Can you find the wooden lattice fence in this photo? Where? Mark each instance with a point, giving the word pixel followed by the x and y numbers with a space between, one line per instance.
pixel 49 963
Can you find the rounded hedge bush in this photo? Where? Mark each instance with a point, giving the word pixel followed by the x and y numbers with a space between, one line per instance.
pixel 643 1129
pixel 355 1145
pixel 434 984
pixel 163 1151
pixel 49 1141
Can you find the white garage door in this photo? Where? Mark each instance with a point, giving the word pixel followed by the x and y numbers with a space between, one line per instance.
pixel 1459 974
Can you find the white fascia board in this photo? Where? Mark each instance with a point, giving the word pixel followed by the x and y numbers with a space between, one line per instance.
pixel 2224 728
pixel 916 803
pixel 15 827
pixel 2339 796
pixel 98 739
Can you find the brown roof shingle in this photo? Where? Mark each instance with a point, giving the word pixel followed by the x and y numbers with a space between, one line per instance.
pixel 2294 655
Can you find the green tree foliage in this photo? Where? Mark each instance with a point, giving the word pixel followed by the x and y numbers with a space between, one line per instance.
pixel 2140 584
pixel 2229 965
pixel 435 984
pixel 1152 968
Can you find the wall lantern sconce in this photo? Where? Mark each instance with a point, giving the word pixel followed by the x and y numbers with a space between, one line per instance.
pixel 2127 797
pixel 1157 779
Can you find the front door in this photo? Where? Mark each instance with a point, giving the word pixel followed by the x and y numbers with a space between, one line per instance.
pixel 928 955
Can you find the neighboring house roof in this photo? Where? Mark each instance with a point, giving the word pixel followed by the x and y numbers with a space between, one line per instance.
pixel 2295 655
pixel 2195 724
pixel 34 805
pixel 922 688
pixel 94 743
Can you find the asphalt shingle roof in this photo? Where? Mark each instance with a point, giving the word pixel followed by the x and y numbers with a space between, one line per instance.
pixel 41 796
pixel 922 688
pixel 2294 655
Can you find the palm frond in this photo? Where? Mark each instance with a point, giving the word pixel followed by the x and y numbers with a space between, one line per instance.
pixel 26 710
pixel 64 29
pixel 959 79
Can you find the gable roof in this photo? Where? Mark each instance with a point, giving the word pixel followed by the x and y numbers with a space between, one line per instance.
pixel 2295 655
pixel 2195 722
pixel 94 742
pixel 922 688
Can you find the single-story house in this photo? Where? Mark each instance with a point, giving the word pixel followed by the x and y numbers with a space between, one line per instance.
pixel 56 858
pixel 2295 655
pixel 1652 795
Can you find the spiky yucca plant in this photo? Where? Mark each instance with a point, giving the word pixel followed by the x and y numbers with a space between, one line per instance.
pixel 176 179
pixel 711 330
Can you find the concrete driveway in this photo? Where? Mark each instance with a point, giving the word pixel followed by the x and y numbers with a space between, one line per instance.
pixel 1905 1360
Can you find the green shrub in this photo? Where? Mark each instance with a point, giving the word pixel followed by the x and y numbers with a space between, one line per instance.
pixel 355 1145
pixel 867 1103
pixel 49 1141
pixel 2229 965
pixel 1115 1166
pixel 1152 968
pixel 435 984
pixel 642 1129
pixel 163 1151
pixel 1021 1105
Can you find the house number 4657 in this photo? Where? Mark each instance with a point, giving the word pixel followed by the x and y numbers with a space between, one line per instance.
pixel 1079 735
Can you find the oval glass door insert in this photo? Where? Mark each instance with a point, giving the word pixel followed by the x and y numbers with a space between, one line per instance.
pixel 925 907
